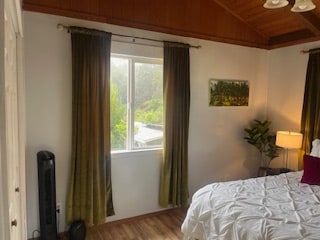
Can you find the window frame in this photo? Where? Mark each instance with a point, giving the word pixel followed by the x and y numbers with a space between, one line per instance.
pixel 132 60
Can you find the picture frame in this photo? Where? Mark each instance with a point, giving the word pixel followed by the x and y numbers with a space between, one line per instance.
pixel 228 93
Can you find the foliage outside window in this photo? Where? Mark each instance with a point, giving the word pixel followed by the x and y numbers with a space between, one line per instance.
pixel 136 103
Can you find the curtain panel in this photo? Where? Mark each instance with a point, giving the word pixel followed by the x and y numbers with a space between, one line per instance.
pixel 310 119
pixel 90 192
pixel 174 172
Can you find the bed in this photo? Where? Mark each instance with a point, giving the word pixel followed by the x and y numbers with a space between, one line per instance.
pixel 285 206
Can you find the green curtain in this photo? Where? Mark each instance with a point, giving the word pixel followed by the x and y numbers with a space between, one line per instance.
pixel 310 120
pixel 174 172
pixel 90 193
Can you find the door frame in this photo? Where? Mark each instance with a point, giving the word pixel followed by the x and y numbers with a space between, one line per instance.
pixel 4 213
pixel 12 9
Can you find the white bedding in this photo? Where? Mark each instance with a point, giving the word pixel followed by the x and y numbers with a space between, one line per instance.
pixel 273 208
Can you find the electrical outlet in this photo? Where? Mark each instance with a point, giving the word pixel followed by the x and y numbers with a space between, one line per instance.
pixel 58 207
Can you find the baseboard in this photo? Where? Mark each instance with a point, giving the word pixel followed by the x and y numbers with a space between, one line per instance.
pixel 135 218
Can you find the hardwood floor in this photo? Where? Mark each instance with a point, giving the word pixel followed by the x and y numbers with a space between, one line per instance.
pixel 157 226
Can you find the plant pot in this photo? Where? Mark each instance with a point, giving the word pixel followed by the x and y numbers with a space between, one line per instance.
pixel 262 171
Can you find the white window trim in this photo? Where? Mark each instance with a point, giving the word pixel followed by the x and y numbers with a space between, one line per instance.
pixel 130 101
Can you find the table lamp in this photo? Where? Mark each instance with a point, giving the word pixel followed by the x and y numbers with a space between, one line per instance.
pixel 288 140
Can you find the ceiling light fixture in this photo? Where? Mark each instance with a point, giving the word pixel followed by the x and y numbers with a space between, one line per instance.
pixel 299 5
pixel 275 3
pixel 303 6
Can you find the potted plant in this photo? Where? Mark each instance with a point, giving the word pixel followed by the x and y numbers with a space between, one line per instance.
pixel 259 136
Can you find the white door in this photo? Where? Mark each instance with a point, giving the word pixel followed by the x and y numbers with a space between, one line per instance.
pixel 12 136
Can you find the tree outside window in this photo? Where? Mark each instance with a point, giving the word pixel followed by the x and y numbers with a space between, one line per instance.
pixel 136 103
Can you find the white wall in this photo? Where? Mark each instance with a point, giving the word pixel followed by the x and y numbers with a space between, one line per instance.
pixel 287 74
pixel 48 107
pixel 217 150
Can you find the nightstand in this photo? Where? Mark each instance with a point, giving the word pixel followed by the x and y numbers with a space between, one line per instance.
pixel 277 171
pixel 262 172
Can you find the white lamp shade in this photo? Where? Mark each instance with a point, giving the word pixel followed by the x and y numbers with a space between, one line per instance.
pixel 289 140
pixel 275 3
pixel 303 6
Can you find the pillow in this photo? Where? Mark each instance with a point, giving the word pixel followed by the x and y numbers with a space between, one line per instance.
pixel 315 151
pixel 311 173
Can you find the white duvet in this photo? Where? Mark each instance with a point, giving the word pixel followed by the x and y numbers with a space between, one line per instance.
pixel 273 207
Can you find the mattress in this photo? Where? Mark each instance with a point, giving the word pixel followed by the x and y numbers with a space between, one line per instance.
pixel 272 207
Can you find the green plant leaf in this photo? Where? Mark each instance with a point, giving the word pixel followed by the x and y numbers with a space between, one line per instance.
pixel 259 136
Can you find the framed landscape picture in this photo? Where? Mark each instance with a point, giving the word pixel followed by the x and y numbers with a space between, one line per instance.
pixel 228 92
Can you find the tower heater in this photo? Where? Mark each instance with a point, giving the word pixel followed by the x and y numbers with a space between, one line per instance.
pixel 47 195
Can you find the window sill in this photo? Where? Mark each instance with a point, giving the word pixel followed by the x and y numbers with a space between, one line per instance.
pixel 138 151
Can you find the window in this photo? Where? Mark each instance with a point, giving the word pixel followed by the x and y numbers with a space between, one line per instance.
pixel 136 103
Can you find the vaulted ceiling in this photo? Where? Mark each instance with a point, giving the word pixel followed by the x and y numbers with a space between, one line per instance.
pixel 280 26
pixel 241 22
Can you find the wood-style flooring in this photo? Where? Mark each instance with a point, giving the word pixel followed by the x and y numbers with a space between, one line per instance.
pixel 163 225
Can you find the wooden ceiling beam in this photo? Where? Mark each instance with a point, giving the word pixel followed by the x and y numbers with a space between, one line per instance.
pixel 312 22
pixel 290 37
pixel 309 19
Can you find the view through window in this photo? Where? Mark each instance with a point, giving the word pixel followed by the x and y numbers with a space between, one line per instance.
pixel 136 103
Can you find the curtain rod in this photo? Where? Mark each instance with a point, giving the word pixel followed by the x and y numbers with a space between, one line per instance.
pixel 63 27
pixel 311 50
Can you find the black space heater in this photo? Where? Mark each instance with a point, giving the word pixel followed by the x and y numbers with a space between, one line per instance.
pixel 47 195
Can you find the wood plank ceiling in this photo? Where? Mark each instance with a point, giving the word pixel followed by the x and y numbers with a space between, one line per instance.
pixel 241 22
